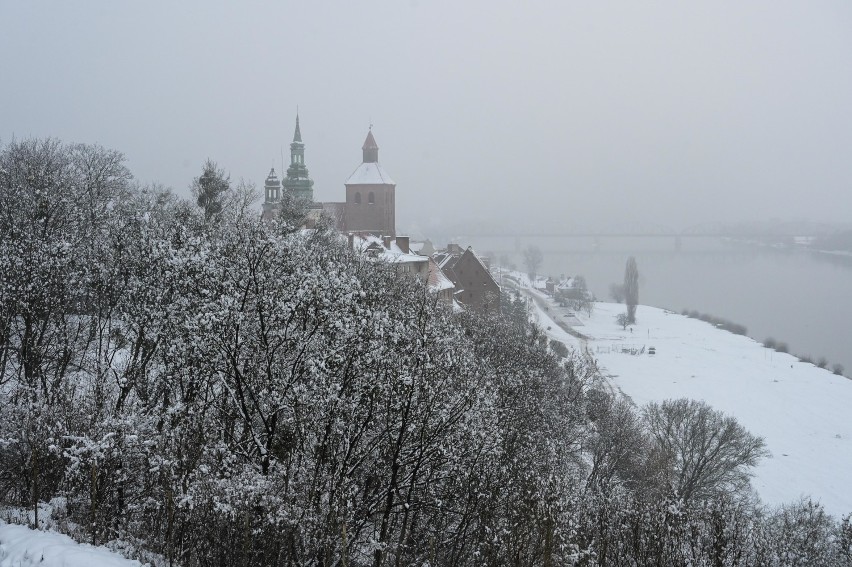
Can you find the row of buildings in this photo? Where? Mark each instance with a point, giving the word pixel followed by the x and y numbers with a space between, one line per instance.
pixel 367 217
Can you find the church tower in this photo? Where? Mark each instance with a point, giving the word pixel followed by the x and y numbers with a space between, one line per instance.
pixel 370 194
pixel 297 182
pixel 271 194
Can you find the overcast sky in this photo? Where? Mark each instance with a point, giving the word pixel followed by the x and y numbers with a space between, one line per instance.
pixel 540 114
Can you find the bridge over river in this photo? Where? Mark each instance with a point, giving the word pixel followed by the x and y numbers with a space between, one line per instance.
pixel 508 237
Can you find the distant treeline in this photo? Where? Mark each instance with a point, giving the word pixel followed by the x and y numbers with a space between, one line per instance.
pixel 719 322
pixel 839 241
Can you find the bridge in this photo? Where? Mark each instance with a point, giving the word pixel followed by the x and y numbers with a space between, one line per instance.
pixel 771 232
pixel 597 239
pixel 742 235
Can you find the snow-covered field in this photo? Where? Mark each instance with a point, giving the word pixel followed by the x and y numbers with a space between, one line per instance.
pixel 804 413
pixel 23 547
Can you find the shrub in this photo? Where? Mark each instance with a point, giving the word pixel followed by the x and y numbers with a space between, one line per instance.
pixel 558 348
pixel 782 347
pixel 837 369
pixel 806 359
pixel 769 342
pixel 822 362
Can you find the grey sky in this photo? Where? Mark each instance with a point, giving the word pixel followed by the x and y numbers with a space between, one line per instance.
pixel 553 114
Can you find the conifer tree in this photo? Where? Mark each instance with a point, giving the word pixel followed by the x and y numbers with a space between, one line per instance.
pixel 210 189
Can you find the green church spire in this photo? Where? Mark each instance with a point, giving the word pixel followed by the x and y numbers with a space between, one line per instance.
pixel 298 182
pixel 297 137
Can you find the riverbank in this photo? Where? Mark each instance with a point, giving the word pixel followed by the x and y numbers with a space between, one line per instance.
pixel 800 410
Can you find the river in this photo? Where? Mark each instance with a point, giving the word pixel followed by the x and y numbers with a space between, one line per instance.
pixel 797 296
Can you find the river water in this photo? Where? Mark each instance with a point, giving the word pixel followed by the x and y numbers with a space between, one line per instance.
pixel 800 297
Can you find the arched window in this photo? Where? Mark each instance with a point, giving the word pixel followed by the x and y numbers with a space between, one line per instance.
pixel 371 198
pixel 357 198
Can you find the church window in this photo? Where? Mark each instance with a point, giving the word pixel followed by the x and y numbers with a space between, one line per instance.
pixel 357 198
pixel 371 198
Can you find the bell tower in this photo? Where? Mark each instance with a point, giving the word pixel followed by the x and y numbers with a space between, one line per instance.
pixel 271 195
pixel 298 183
pixel 370 194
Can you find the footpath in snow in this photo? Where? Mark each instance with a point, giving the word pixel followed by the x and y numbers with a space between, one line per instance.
pixel 22 547
pixel 803 412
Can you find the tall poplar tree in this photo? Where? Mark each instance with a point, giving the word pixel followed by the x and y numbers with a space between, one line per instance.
pixel 631 288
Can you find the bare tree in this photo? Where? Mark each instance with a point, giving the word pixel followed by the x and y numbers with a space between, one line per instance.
pixel 616 292
pixel 618 443
pixel 532 260
pixel 698 451
pixel 623 320
pixel 240 200
pixel 631 288
pixel 579 297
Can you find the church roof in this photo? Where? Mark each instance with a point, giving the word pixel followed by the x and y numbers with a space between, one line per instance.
pixel 370 142
pixel 297 135
pixel 370 173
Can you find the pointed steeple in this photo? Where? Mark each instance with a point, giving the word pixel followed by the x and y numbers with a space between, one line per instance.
pixel 370 149
pixel 297 136
pixel 298 181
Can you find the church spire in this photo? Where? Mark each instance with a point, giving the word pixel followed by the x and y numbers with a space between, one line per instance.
pixel 370 149
pixel 297 136
pixel 298 182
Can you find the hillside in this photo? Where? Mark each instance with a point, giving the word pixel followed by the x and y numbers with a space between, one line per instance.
pixel 801 410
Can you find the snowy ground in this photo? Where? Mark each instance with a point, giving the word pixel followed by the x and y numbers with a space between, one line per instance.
pixel 23 547
pixel 802 412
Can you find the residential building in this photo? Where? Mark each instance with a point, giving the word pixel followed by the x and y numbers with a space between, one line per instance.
pixel 475 287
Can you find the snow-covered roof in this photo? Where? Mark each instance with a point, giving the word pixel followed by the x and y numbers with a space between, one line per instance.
pixel 370 174
pixel 394 254
pixel 438 280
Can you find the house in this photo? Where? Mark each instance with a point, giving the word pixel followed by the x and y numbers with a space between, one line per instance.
pixel 475 287
pixel 398 253
pixel 439 284
pixel 394 251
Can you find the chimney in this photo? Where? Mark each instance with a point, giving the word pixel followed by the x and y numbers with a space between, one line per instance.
pixel 386 240
pixel 402 242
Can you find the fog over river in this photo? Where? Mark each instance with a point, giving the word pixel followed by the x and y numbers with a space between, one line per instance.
pixel 796 296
